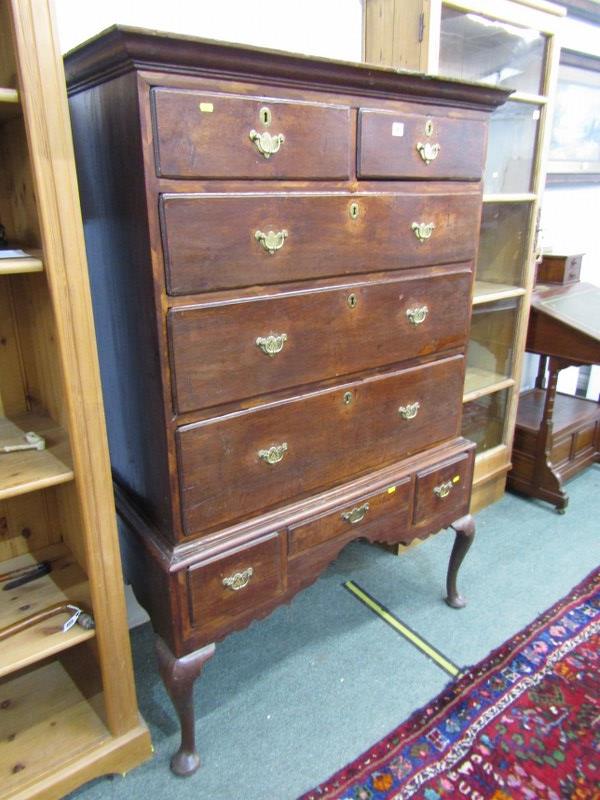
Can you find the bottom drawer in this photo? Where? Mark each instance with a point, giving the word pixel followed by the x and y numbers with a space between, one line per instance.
pixel 231 585
pixel 443 490
pixel 356 518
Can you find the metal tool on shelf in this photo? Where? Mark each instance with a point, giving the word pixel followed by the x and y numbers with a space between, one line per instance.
pixel 76 616
pixel 18 577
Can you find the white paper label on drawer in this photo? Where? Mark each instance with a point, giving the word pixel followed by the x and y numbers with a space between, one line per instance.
pixel 397 129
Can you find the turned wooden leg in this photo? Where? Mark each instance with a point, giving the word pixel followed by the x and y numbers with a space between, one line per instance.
pixel 178 675
pixel 465 533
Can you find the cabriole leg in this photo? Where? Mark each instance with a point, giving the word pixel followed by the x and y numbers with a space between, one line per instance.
pixel 178 675
pixel 465 533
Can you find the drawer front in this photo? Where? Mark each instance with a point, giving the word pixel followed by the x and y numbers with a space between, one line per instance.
pixel 295 339
pixel 225 241
pixel 387 507
pixel 231 467
pixel 444 491
pixel 212 135
pixel 225 588
pixel 417 146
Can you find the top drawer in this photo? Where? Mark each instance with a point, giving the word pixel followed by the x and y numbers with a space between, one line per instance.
pixel 211 135
pixel 395 145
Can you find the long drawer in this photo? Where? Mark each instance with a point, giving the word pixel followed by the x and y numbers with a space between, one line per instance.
pixel 400 145
pixel 231 467
pixel 218 241
pixel 301 337
pixel 214 135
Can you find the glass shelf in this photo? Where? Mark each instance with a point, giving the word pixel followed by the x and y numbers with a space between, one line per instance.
pixel 483 420
pixel 511 149
pixel 474 47
pixel 490 351
pixel 503 243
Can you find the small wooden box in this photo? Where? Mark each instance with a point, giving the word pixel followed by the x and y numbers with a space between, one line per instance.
pixel 559 269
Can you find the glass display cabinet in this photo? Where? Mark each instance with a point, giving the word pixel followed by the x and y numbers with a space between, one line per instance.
pixel 513 45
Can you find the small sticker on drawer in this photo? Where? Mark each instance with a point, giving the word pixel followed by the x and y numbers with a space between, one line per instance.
pixel 391 489
pixel 397 129
pixel 456 479
pixel 206 108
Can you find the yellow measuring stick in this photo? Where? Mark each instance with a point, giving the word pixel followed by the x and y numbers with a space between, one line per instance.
pixel 408 633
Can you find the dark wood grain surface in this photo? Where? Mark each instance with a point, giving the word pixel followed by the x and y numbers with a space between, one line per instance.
pixel 329 333
pixel 215 143
pixel 328 441
pixel 210 241
pixel 240 474
pixel 388 146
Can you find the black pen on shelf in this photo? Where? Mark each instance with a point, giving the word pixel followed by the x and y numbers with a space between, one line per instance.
pixel 25 575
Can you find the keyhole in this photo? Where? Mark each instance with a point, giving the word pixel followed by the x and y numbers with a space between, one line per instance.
pixel 428 128
pixel 352 300
pixel 347 398
pixel 353 210
pixel 265 116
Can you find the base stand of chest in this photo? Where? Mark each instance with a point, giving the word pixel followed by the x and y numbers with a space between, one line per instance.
pixel 179 674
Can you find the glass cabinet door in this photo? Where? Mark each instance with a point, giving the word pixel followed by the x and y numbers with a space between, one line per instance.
pixel 514 45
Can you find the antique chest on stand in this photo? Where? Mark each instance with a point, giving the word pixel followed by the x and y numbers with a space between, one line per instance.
pixel 281 252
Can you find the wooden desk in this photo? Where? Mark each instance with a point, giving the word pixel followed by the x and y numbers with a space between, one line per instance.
pixel 557 435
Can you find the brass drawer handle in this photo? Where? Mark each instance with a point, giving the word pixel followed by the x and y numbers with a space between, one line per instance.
pixel 239 580
pixel 266 144
pixel 409 411
pixel 417 315
pixel 356 515
pixel 428 151
pixel 422 230
pixel 274 454
pixel 272 344
pixel 272 241
pixel 444 489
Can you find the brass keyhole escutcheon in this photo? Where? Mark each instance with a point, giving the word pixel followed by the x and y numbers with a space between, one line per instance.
pixel 354 210
pixel 429 128
pixel 347 398
pixel 352 300
pixel 265 116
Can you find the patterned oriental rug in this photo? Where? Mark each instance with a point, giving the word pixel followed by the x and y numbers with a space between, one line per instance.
pixel 523 724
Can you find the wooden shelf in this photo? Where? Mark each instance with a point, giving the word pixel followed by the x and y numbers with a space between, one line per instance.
pixel 47 716
pixel 9 103
pixel 66 582
pixel 487 292
pixel 16 266
pixel 29 470
pixel 479 382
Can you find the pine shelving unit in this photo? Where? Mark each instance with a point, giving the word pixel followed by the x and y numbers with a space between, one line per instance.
pixel 68 710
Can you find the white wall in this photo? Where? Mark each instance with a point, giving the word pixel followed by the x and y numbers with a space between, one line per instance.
pixel 329 28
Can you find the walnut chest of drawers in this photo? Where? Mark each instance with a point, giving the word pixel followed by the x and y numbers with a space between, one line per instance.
pixel 281 254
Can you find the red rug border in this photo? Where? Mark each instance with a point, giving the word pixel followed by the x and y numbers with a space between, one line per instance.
pixel 452 692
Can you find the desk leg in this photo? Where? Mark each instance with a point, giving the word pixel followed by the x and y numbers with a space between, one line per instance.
pixel 178 675
pixel 465 533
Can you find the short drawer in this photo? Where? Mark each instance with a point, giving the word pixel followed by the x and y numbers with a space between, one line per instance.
pixel 225 588
pixel 387 507
pixel 217 241
pixel 395 145
pixel 288 340
pixel 444 491
pixel 231 467
pixel 214 135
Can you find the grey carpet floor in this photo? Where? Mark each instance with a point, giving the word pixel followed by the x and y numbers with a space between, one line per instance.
pixel 293 698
